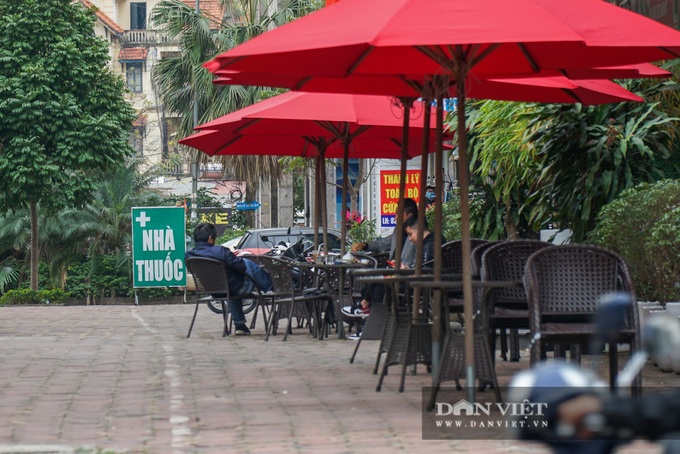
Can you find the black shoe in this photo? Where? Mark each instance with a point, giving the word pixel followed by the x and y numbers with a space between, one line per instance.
pixel 241 330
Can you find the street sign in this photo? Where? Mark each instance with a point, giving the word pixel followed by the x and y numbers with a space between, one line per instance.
pixel 248 205
pixel 158 247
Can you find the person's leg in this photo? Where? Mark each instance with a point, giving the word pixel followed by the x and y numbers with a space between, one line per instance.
pixel 236 308
pixel 377 294
pixel 236 311
pixel 259 275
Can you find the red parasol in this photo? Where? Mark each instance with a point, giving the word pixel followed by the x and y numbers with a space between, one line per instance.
pixel 430 44
pixel 316 125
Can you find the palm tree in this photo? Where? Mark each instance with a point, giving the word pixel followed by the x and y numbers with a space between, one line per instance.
pixel 181 80
pixel 14 237
pixel 59 247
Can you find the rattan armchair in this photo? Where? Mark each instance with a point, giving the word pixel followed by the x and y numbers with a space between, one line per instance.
pixel 564 285
pixel 288 297
pixel 212 285
pixel 507 307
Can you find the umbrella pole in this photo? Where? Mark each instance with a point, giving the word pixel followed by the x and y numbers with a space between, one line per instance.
pixel 345 188
pixel 317 202
pixel 421 206
pixel 324 208
pixel 407 103
pixel 465 239
pixel 437 300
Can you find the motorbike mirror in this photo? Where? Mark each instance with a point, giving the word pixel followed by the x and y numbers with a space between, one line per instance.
pixel 611 316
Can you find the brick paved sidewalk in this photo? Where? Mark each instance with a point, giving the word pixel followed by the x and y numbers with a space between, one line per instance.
pixel 125 379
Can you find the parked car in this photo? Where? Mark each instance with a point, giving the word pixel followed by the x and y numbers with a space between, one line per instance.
pixel 260 241
pixel 231 244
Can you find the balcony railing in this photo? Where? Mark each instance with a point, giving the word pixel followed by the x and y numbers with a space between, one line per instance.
pixel 147 37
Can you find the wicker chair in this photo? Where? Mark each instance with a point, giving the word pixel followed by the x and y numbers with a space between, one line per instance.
pixel 452 263
pixel 212 285
pixel 507 307
pixel 564 285
pixel 452 363
pixel 408 342
pixel 288 299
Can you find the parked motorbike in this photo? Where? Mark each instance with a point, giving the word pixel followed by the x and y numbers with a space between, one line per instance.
pixel 579 414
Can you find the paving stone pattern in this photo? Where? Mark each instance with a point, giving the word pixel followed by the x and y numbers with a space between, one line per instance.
pixel 110 379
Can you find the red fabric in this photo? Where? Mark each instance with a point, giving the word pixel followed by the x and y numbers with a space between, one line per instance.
pixel 291 123
pixel 537 89
pixel 392 38
pixel 226 142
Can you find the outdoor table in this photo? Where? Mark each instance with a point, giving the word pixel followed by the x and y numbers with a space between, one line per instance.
pixel 451 284
pixel 341 268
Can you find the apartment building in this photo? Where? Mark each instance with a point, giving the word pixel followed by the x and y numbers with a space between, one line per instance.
pixel 135 47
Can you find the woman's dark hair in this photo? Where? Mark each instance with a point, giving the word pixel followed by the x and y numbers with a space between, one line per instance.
pixel 410 206
pixel 203 231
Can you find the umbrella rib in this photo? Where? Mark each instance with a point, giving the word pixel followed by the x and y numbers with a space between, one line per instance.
pixel 666 49
pixel 413 84
pixel 529 57
pixel 485 53
pixel 441 59
pixel 302 83
pixel 249 122
pixel 358 61
pixel 360 130
pixel 330 127
pixel 229 143
pixel 572 95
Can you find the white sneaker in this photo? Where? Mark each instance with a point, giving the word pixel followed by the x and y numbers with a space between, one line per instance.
pixel 358 312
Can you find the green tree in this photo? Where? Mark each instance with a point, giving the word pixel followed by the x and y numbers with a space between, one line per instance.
pixel 181 80
pixel 535 164
pixel 643 226
pixel 504 168
pixel 63 117
pixel 589 155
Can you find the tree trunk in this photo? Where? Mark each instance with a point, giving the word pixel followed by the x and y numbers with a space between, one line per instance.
pixel 251 194
pixel 510 227
pixel 35 245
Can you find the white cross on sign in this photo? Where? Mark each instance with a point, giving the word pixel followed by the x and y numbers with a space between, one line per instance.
pixel 142 219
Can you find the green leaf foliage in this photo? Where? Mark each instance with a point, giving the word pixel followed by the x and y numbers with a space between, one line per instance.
pixel 643 226
pixel 589 155
pixel 451 217
pixel 63 117
pixel 27 296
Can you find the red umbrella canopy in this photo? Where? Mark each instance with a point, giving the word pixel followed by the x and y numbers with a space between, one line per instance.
pixel 488 38
pixel 322 115
pixel 423 41
pixel 226 142
pixel 556 89
pixel 298 124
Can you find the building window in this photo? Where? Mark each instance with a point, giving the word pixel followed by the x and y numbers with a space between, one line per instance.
pixel 134 76
pixel 137 16
pixel 137 139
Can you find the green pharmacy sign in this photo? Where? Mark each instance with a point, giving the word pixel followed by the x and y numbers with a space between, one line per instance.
pixel 158 246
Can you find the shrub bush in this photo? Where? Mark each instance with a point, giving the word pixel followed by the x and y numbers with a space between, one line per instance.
pixel 643 226
pixel 27 296
pixel 450 219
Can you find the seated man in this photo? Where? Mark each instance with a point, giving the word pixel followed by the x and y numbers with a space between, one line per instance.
pixel 375 293
pixel 204 236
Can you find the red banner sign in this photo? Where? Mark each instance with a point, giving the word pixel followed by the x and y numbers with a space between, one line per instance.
pixel 389 193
